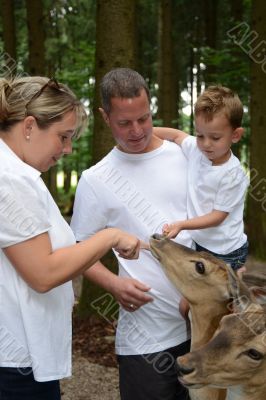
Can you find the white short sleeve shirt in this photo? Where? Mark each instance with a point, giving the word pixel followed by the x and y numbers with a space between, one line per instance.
pixel 35 328
pixel 220 187
pixel 139 193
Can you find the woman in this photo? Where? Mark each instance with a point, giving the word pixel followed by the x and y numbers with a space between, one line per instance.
pixel 39 118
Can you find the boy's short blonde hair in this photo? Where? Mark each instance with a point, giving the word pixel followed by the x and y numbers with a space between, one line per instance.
pixel 220 99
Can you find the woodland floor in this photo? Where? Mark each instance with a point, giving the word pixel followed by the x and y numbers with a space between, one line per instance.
pixel 95 373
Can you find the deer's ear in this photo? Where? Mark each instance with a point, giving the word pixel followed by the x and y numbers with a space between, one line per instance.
pixel 259 294
pixel 240 294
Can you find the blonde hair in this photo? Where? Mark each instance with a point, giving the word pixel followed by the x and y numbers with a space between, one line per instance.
pixel 43 98
pixel 220 99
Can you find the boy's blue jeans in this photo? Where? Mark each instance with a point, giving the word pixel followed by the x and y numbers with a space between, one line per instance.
pixel 236 258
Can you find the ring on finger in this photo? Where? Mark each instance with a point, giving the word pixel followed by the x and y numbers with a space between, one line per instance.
pixel 131 306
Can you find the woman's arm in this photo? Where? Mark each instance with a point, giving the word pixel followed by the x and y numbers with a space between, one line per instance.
pixel 43 269
pixel 175 135
pixel 214 218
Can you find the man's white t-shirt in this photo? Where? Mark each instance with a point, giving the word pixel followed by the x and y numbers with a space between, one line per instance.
pixel 139 193
pixel 220 187
pixel 35 328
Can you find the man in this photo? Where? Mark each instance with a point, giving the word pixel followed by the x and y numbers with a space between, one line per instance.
pixel 139 186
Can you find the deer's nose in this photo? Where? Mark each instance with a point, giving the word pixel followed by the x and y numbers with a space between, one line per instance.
pixel 158 236
pixel 182 370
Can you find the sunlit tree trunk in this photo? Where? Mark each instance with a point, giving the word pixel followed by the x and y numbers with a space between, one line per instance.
pixel 167 69
pixel 115 47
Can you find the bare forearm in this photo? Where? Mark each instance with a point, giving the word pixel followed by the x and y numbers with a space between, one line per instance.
pixel 101 276
pixel 172 134
pixel 212 219
pixel 81 256
pixel 42 268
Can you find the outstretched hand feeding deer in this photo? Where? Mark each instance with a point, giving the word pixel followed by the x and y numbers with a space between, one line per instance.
pixel 204 281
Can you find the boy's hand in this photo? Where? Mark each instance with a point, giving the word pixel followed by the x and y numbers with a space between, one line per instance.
pixel 172 230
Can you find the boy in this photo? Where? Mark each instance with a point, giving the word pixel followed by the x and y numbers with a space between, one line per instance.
pixel 216 180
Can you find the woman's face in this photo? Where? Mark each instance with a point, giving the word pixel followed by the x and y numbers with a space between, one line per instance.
pixel 46 146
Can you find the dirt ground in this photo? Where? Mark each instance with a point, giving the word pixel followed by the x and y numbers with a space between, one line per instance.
pixel 95 373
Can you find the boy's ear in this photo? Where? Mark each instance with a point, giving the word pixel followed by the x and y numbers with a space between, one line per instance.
pixel 237 134
pixel 104 115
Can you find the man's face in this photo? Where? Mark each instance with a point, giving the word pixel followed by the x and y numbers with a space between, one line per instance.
pixel 131 123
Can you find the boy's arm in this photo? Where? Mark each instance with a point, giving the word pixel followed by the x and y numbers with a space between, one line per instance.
pixel 209 220
pixel 175 135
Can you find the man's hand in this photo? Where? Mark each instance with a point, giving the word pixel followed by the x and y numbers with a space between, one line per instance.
pixel 130 293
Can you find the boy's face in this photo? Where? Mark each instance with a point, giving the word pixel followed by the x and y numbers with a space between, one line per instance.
pixel 215 137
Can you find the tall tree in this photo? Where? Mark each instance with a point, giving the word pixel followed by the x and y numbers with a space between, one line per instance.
pixel 36 37
pixel 114 48
pixel 167 67
pixel 210 12
pixel 37 64
pixel 9 34
pixel 257 192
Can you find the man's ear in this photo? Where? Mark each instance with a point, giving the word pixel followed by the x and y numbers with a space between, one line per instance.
pixel 237 134
pixel 104 115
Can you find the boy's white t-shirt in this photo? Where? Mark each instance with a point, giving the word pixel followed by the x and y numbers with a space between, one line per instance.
pixel 138 193
pixel 35 328
pixel 220 187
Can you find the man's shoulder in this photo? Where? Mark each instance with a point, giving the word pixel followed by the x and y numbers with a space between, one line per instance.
pixel 92 170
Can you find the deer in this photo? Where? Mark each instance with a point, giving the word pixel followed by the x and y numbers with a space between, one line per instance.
pixel 204 281
pixel 235 358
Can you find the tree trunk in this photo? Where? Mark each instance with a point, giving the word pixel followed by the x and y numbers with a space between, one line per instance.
pixel 67 179
pixel 36 36
pixel 257 191
pixel 167 73
pixel 115 47
pixel 210 12
pixel 237 10
pixel 36 62
pixel 9 37
pixel 191 76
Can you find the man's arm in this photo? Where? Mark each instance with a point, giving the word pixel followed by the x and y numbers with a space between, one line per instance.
pixel 127 291
pixel 175 135
pixel 209 220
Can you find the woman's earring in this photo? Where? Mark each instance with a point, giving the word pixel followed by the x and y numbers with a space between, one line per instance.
pixel 28 137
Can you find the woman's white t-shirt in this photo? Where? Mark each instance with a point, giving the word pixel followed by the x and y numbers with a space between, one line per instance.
pixel 35 328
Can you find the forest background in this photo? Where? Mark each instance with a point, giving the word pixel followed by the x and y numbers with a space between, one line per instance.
pixel 179 46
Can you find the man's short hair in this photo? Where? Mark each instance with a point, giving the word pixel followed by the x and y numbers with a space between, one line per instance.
pixel 220 99
pixel 123 83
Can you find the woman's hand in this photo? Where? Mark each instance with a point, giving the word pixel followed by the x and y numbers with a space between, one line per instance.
pixel 127 245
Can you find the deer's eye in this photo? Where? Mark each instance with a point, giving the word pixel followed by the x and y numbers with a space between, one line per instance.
pixel 200 268
pixel 254 354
